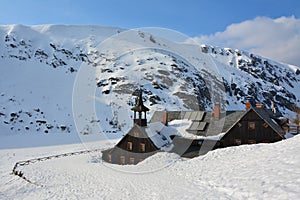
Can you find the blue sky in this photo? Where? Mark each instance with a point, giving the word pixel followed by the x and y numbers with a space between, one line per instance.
pixel 190 17
pixel 202 19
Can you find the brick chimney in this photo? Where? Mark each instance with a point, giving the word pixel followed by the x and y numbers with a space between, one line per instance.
pixel 273 107
pixel 165 118
pixel 217 111
pixel 248 105
pixel 259 105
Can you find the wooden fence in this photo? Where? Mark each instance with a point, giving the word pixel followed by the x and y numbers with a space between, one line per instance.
pixel 31 161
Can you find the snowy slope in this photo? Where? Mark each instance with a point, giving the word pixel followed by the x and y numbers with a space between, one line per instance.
pixel 37 76
pixel 261 171
pixel 43 66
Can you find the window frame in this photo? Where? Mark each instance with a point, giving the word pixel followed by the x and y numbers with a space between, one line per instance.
pixel 251 141
pixel 131 160
pixel 136 134
pixel 265 124
pixel 122 160
pixel 251 125
pixel 237 141
pixel 142 147
pixel 129 146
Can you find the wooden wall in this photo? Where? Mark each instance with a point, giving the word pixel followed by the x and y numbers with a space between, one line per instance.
pixel 241 131
pixel 131 156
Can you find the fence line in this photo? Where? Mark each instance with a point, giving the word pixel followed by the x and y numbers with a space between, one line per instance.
pixel 31 161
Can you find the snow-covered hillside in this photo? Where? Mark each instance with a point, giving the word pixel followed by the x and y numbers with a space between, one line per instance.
pixel 42 66
pixel 38 69
pixel 261 171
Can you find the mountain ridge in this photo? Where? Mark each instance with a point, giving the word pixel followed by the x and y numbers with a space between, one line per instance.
pixel 40 65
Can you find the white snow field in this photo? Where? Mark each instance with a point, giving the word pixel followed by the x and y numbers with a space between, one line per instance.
pixel 261 171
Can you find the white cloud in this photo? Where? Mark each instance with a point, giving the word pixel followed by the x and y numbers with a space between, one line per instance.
pixel 277 39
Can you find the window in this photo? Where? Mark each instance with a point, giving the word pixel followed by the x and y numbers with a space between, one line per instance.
pixel 251 141
pixel 237 141
pixel 109 157
pixel 122 160
pixel 131 160
pixel 239 125
pixel 129 146
pixel 266 125
pixel 251 125
pixel 142 147
pixel 136 134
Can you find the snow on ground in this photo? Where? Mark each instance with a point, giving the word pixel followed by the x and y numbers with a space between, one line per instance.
pixel 261 171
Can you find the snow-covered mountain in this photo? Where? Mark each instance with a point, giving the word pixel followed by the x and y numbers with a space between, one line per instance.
pixel 41 67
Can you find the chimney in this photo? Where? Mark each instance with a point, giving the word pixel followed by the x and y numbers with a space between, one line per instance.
pixel 259 105
pixel 217 111
pixel 248 105
pixel 165 118
pixel 273 107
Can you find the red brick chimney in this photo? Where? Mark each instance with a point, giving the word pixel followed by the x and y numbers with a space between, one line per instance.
pixel 217 111
pixel 165 118
pixel 248 105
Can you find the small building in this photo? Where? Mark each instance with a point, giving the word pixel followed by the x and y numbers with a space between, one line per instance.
pixel 256 125
pixel 142 140
pixel 134 147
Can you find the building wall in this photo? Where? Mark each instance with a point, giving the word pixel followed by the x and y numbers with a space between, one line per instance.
pixel 190 148
pixel 123 154
pixel 244 133
pixel 115 155
pixel 136 141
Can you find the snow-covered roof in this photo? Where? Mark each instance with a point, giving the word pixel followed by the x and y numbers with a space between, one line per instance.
pixel 201 124
pixel 160 134
pixel 182 125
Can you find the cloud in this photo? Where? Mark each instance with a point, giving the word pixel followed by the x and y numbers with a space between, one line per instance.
pixel 277 39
